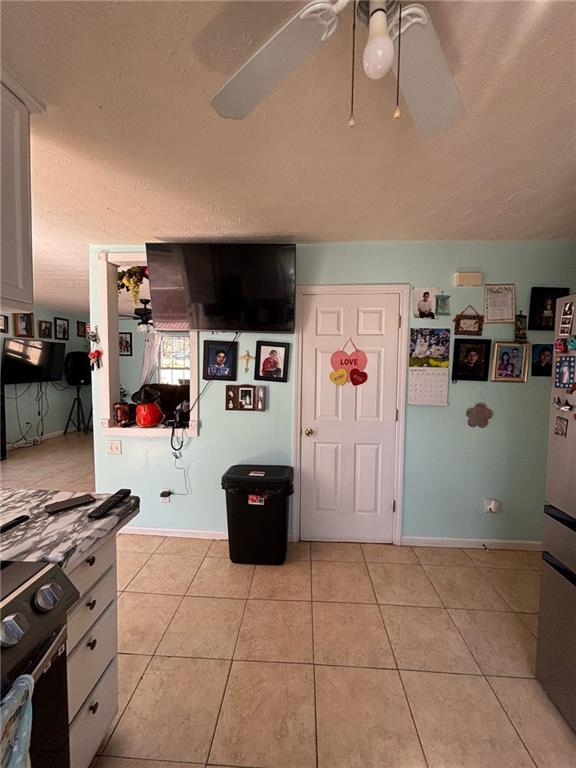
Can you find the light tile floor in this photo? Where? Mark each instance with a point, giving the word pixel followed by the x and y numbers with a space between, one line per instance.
pixel 63 463
pixel 347 656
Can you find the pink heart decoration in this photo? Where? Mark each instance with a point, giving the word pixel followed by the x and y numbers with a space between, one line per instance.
pixel 349 360
pixel 358 377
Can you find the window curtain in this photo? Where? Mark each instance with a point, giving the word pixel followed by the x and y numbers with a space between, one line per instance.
pixel 150 364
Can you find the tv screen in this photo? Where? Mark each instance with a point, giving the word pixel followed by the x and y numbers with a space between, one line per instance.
pixel 29 360
pixel 222 286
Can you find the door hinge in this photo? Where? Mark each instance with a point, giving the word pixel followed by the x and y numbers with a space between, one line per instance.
pixel 394 505
pixel 396 414
pixel 399 321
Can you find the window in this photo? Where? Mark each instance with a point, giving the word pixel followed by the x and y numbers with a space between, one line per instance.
pixel 174 364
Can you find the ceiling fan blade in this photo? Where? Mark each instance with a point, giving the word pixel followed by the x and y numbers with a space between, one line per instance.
pixel 276 59
pixel 426 82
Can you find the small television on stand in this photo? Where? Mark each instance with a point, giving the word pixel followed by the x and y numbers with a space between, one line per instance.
pixel 222 286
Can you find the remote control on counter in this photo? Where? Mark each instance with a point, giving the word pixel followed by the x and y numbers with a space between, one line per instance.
pixel 104 509
pixel 62 506
pixel 5 527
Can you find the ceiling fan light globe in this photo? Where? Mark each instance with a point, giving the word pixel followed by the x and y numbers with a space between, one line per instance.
pixel 378 57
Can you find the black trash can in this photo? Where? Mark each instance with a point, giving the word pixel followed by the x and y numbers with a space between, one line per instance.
pixel 257 510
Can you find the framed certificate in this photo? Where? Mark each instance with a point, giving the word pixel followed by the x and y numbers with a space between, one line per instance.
pixel 499 303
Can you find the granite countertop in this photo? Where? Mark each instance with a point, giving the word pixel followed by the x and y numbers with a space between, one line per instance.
pixel 64 538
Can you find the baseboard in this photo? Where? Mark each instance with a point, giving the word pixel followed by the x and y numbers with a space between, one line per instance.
pixel 182 532
pixel 418 541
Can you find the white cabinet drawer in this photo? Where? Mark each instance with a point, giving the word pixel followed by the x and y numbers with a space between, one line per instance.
pixel 90 658
pixel 90 607
pixel 94 718
pixel 94 566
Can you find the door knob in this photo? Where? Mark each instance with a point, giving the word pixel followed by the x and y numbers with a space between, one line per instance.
pixel 308 431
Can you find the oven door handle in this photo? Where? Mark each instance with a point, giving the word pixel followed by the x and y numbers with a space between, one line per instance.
pixel 46 660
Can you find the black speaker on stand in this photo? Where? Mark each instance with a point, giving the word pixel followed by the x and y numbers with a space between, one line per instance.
pixel 77 373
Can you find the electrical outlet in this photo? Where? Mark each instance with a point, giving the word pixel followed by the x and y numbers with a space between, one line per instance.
pixel 165 496
pixel 115 447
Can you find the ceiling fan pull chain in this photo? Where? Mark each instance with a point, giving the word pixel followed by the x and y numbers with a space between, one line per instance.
pixel 397 112
pixel 352 120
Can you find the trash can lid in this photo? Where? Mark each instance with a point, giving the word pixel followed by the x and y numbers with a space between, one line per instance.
pixel 258 474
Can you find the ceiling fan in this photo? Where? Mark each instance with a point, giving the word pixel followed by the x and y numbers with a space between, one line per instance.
pixel 426 83
pixel 144 316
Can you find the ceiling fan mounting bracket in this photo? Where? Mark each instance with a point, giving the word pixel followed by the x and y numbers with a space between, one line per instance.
pixel 325 14
pixel 411 14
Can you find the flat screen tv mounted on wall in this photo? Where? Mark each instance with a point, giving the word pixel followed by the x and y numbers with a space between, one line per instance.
pixel 222 286
pixel 32 360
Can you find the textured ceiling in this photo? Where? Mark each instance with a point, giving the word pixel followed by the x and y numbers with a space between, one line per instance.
pixel 130 149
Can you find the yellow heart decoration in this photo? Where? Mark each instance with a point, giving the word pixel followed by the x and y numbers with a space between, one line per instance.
pixel 340 376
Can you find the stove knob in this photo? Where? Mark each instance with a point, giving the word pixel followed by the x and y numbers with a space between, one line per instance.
pixel 48 597
pixel 12 629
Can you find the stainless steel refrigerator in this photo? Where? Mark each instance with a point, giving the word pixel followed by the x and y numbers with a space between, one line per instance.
pixel 556 658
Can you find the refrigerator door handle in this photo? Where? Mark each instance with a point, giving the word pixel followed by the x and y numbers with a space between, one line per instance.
pixel 559 567
pixel 560 517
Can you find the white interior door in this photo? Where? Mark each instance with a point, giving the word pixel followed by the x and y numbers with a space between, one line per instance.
pixel 349 433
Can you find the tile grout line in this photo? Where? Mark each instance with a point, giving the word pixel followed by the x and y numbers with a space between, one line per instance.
pixel 396 662
pixel 225 688
pixel 528 752
pixel 314 661
pixel 152 655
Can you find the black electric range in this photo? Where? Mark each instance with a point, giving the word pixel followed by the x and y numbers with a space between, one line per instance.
pixel 34 601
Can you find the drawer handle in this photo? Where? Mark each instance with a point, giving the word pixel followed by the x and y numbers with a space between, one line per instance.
pixel 92 644
pixel 91 560
pixel 93 707
pixel 91 604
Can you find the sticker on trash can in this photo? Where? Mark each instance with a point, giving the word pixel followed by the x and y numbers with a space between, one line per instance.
pixel 255 500
pixel 256 473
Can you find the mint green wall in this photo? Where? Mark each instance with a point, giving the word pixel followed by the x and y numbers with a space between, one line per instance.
pixel 449 467
pixel 59 401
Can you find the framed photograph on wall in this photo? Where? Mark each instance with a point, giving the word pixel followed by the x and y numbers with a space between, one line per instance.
pixel 45 329
pixel 23 324
pixel 471 359
pixel 81 329
pixel 542 360
pixel 424 303
pixel 543 308
pixel 469 322
pixel 125 344
pixel 499 302
pixel 61 328
pixel 220 360
pixel 3 323
pixel 510 361
pixel 271 361
pixel 245 397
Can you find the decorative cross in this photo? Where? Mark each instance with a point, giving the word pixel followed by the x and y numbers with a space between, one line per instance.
pixel 247 357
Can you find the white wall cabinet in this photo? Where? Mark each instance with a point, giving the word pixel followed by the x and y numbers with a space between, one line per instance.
pixel 16 282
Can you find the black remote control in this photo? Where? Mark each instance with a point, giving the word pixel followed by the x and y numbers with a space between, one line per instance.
pixel 5 527
pixel 62 506
pixel 104 509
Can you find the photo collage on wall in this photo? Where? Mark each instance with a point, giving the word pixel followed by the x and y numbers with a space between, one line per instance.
pixel 271 364
pixel 482 359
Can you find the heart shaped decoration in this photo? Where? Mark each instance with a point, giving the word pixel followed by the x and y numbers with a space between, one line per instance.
pixel 348 360
pixel 358 377
pixel 339 377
